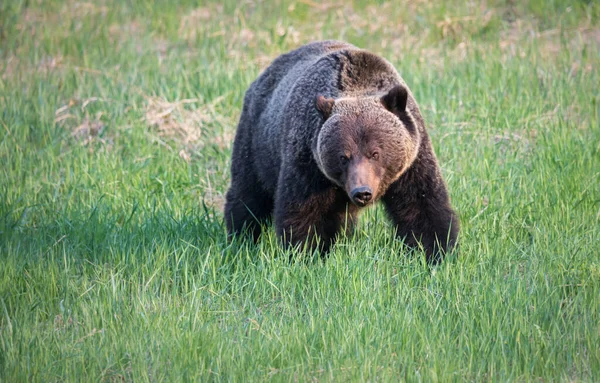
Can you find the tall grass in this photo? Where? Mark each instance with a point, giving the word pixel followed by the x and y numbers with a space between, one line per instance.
pixel 116 128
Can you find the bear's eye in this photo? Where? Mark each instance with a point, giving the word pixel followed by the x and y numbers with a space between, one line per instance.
pixel 375 156
pixel 344 160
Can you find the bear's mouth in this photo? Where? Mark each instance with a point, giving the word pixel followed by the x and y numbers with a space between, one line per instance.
pixel 360 203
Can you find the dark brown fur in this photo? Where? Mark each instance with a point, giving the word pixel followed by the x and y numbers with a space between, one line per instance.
pixel 324 131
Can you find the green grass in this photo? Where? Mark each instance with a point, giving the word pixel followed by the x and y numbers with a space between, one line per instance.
pixel 113 259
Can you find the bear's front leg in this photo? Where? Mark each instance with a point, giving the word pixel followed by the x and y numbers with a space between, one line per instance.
pixel 419 206
pixel 310 211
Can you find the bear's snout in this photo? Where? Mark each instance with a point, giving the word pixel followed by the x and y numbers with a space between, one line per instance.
pixel 362 181
pixel 361 195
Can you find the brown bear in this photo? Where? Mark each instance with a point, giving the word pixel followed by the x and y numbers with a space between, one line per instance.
pixel 326 130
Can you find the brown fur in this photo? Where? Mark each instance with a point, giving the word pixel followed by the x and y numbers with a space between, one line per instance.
pixel 325 130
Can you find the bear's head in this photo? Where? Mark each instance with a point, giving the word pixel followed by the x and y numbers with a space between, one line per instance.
pixel 366 143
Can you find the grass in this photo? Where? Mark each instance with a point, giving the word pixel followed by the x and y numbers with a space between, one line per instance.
pixel 116 127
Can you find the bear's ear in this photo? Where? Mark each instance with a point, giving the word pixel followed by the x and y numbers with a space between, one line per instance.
pixel 325 105
pixel 395 100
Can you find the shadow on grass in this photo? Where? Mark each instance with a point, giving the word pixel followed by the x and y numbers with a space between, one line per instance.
pixel 103 234
pixel 151 237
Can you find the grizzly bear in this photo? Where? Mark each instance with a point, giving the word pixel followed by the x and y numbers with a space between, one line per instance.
pixel 326 130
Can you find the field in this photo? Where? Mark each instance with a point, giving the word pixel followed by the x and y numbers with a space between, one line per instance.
pixel 116 124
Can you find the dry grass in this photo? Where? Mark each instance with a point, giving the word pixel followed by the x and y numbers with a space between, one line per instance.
pixel 9 67
pixel 549 43
pixel 190 24
pixel 185 122
pixel 89 129
pixel 84 128
pixel 190 126
pixel 394 27
pixel 173 120
pixel 194 23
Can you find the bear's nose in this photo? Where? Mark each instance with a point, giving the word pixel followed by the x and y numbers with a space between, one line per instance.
pixel 361 195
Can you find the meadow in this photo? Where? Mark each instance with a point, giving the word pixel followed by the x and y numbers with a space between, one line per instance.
pixel 116 125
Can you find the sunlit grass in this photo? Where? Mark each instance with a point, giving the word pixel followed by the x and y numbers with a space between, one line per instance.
pixel 116 124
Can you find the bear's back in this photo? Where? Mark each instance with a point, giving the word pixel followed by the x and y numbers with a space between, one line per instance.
pixel 270 90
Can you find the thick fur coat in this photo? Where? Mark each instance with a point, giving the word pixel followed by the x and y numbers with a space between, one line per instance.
pixel 325 130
